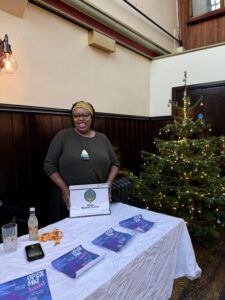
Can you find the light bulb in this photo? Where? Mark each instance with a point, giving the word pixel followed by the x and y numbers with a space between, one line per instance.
pixel 9 64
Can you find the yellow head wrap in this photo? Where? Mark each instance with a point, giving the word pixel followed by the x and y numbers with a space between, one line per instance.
pixel 84 105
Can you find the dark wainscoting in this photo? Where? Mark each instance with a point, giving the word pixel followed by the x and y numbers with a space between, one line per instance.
pixel 25 134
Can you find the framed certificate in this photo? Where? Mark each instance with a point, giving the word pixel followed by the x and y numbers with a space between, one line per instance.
pixel 89 200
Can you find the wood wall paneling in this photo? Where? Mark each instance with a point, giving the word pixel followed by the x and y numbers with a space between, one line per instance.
pixel 7 160
pixel 200 31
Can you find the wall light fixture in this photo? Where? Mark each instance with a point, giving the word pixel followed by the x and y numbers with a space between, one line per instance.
pixel 8 64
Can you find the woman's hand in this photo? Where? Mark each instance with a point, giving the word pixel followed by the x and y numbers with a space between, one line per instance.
pixel 110 189
pixel 58 180
pixel 112 175
pixel 66 196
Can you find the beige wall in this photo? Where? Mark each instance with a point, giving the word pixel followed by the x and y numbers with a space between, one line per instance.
pixel 163 12
pixel 57 67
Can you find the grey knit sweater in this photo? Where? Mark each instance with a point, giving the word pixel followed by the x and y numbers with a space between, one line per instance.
pixel 64 157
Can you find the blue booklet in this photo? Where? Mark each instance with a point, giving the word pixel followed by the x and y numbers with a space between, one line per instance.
pixel 76 261
pixel 137 223
pixel 29 287
pixel 113 240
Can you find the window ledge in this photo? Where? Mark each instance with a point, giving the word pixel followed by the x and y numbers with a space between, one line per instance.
pixel 212 14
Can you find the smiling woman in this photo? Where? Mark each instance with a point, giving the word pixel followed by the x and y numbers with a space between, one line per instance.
pixel 78 155
pixel 83 119
pixel 83 115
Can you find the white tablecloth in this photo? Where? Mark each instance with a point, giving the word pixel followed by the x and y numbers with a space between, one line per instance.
pixel 144 269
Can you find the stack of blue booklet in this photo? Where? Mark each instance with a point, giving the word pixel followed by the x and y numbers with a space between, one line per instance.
pixel 113 240
pixel 76 261
pixel 29 287
pixel 137 223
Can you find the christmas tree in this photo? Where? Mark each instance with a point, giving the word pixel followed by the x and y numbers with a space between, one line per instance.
pixel 185 178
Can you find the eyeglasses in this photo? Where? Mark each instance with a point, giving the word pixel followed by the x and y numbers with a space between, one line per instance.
pixel 84 115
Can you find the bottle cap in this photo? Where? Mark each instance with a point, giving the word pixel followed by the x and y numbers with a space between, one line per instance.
pixel 32 209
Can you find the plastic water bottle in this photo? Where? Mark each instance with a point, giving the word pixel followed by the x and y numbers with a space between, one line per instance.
pixel 33 225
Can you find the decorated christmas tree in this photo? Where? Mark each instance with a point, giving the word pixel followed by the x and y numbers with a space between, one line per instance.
pixel 186 177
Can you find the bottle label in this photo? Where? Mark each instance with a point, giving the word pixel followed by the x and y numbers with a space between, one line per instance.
pixel 33 233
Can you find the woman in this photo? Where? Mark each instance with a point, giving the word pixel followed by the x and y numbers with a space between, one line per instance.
pixel 78 155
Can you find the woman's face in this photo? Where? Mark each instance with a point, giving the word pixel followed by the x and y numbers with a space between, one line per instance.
pixel 82 120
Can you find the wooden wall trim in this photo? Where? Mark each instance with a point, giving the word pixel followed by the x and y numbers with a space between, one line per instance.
pixel 61 111
pixel 32 109
pixel 160 118
pixel 198 86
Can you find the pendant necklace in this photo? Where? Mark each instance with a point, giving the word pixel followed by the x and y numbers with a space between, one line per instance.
pixel 84 154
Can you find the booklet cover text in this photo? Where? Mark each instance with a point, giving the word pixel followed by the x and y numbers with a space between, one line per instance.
pixel 113 240
pixel 76 261
pixel 29 287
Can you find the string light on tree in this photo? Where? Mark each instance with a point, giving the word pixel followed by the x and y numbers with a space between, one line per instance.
pixel 186 177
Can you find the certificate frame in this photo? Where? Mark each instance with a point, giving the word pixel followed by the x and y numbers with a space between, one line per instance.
pixel 89 200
